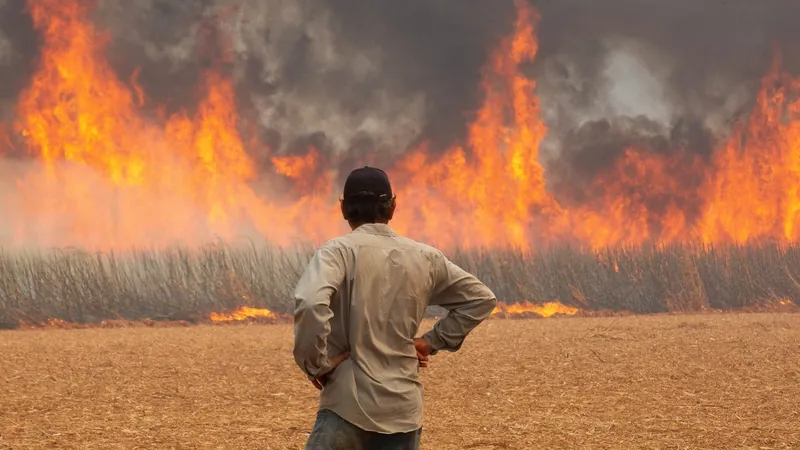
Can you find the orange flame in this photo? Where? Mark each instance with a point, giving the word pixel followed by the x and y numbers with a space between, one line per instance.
pixel 754 193
pixel 747 191
pixel 243 313
pixel 526 308
pixel 642 198
pixel 488 193
pixel 107 175
pixel 57 323
pixel 110 178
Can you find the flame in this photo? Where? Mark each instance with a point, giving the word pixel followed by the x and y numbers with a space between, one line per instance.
pixel 747 191
pixel 754 194
pixel 640 199
pixel 108 177
pixel 108 173
pixel 57 323
pixel 526 308
pixel 486 194
pixel 243 313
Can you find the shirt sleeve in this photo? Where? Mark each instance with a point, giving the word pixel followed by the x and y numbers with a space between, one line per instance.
pixel 312 313
pixel 468 301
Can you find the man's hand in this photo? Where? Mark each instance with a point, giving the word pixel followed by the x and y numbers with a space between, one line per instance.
pixel 423 351
pixel 320 382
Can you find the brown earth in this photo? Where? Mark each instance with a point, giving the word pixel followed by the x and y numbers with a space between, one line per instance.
pixel 710 381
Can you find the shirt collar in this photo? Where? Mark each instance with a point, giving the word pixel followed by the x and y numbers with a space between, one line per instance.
pixel 380 229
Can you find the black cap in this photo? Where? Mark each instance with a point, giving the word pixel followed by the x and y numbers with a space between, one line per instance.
pixel 367 183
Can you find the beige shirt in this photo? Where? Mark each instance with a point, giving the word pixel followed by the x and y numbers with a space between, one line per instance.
pixel 366 292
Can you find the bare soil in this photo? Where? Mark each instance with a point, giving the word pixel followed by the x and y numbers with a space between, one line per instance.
pixel 707 381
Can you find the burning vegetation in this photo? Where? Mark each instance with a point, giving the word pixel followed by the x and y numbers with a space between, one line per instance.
pixel 104 172
pixel 91 161
pixel 243 313
pixel 527 309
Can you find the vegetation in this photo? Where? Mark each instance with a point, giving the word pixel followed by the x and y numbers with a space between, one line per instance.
pixel 181 284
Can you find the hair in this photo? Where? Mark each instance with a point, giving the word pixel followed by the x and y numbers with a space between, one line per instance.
pixel 366 207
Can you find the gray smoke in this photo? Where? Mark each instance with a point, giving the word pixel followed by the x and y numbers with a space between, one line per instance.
pixel 663 59
pixel 18 48
pixel 365 80
pixel 657 75
pixel 355 77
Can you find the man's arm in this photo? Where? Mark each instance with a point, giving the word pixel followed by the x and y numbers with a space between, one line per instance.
pixel 468 301
pixel 312 313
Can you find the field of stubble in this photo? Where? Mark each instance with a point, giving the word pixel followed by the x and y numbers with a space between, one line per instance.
pixel 713 381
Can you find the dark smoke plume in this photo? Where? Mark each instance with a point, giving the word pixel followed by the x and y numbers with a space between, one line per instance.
pixel 674 62
pixel 365 80
pixel 366 75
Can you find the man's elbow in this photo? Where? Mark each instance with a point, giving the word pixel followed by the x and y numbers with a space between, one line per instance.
pixel 300 358
pixel 310 349
pixel 479 308
pixel 306 359
pixel 490 300
pixel 490 305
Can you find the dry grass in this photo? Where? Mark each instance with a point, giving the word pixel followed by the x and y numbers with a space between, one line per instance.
pixel 708 381
pixel 188 284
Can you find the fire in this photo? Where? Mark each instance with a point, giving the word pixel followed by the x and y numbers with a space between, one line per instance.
pixel 243 313
pixel 489 192
pixel 746 192
pixel 642 198
pixel 754 193
pixel 526 308
pixel 106 176
pixel 56 323
pixel 106 173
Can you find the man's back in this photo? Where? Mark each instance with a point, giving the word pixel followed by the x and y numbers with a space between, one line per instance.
pixel 371 288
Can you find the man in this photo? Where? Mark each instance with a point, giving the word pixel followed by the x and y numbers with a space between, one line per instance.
pixel 358 308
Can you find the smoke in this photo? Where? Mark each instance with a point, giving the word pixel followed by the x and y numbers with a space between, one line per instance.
pixel 596 146
pixel 672 62
pixel 366 80
pixel 360 76
pixel 18 46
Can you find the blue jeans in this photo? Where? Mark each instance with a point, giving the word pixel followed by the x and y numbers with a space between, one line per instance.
pixel 331 432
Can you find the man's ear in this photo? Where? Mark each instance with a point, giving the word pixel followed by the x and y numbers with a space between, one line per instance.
pixel 392 207
pixel 344 209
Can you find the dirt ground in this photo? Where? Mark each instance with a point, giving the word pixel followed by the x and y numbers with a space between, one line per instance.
pixel 712 381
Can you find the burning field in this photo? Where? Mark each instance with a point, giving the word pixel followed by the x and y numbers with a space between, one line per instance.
pixel 190 170
pixel 167 163
pixel 96 160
